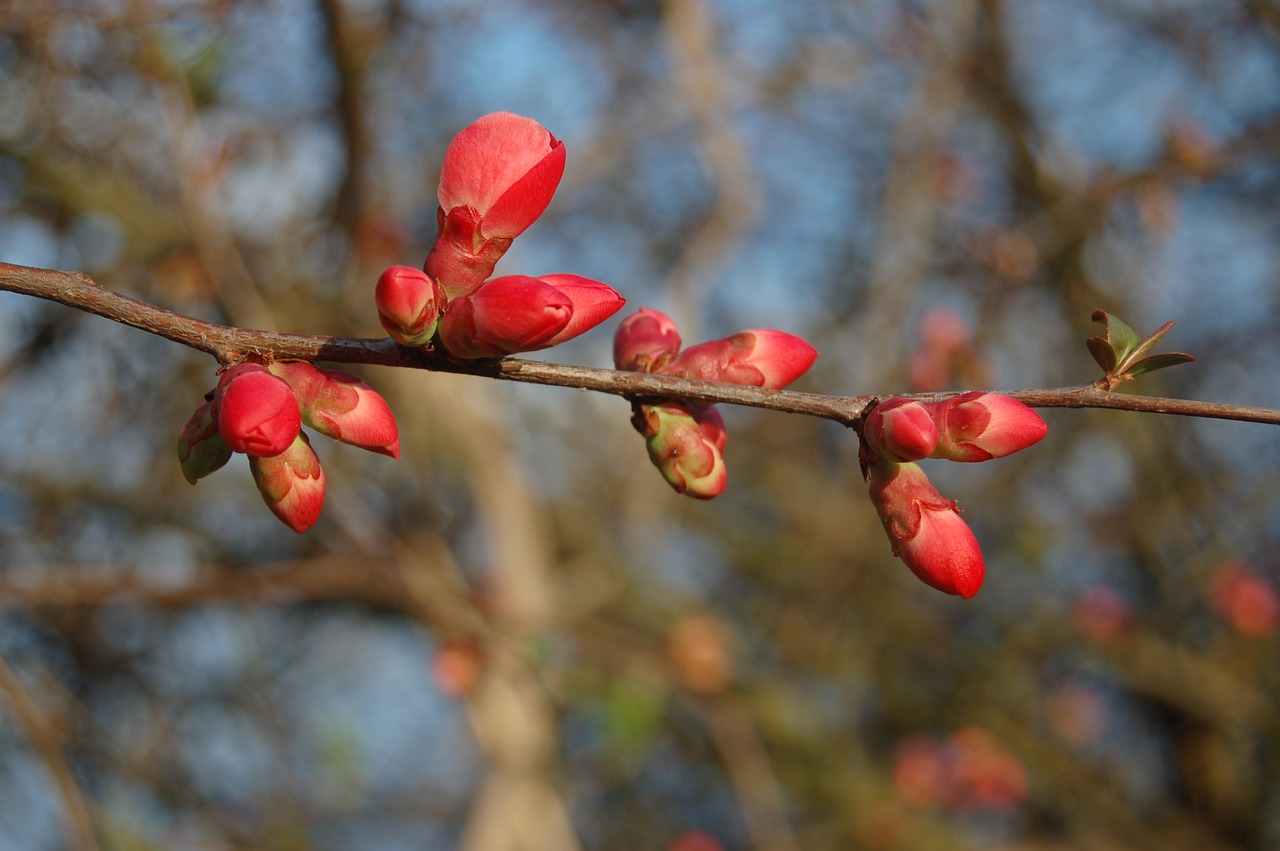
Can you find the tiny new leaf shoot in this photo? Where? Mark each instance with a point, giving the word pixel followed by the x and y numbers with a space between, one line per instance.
pixel 1122 354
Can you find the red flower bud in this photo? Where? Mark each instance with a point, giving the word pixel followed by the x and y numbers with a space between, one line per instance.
pixel 341 406
pixel 686 443
pixel 925 529
pixel 1246 600
pixel 900 430
pixel 514 313
pixel 201 449
pixel 517 313
pixel 645 340
pixel 291 484
pixel 407 305
pixel 498 176
pixel 980 426
pixel 593 303
pixel 257 413
pixel 761 357
pixel 504 166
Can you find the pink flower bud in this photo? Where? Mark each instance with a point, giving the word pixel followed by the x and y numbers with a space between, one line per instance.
pixel 761 357
pixel 593 303
pixel 980 426
pixel 407 305
pixel 644 341
pixel 291 484
pixel 686 443
pixel 925 529
pixel 514 313
pixel 517 313
pixel 900 430
pixel 201 449
pixel 498 176
pixel 341 406
pixel 504 166
pixel 1246 600
pixel 257 413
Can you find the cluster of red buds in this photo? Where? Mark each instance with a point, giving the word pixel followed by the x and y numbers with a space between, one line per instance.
pixel 498 176
pixel 259 411
pixel 686 440
pixel 924 527
pixel 969 770
pixel 947 355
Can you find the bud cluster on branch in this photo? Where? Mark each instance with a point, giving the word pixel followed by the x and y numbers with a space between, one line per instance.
pixel 924 527
pixel 259 411
pixel 498 176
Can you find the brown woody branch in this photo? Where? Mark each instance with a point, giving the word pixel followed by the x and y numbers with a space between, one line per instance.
pixel 230 345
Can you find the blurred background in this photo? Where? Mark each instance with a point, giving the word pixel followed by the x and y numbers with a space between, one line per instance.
pixel 517 636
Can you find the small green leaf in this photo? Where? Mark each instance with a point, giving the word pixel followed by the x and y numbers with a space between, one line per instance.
pixel 1158 362
pixel 1145 346
pixel 1102 353
pixel 1121 337
pixel 1122 355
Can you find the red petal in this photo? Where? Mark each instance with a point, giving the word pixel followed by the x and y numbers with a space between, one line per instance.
pixel 593 303
pixel 494 155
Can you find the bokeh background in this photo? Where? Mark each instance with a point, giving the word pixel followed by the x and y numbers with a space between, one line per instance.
pixel 517 637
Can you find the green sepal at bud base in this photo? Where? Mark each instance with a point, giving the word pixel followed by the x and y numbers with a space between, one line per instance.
pixel 341 406
pixel 201 450
pixel 686 443
pixel 291 484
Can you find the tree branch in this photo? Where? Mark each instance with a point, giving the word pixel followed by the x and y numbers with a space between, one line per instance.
pixel 230 345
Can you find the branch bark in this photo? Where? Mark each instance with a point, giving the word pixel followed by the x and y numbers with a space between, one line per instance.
pixel 230 345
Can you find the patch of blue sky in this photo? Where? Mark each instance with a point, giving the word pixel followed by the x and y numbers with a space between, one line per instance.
pixel 1243 75
pixel 815 195
pixel 274 64
pixel 229 755
pixel 1102 86
pixel 519 60
pixel 28 241
pixel 1218 275
pixel 274 186
pixel 32 812
pixel 761 35
pixel 370 678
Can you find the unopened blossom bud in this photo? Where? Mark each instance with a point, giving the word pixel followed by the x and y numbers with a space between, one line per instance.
pixel 256 411
pixel 686 443
pixel 1246 600
pixel 518 313
pixel 201 449
pixel 980 426
pixel 645 341
pixel 761 357
pixel 593 303
pixel 498 176
pixel 925 529
pixel 408 307
pixel 900 430
pixel 291 484
pixel 341 406
pixel 514 313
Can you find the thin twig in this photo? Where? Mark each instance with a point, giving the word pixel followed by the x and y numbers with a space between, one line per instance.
pixel 46 739
pixel 229 345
